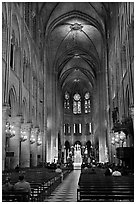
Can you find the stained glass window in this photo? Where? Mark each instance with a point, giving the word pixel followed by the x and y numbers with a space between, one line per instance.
pixel 77 97
pixel 77 104
pixel 87 103
pixel 66 95
pixel 66 101
pixel 87 95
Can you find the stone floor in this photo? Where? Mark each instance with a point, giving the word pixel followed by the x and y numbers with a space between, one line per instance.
pixel 66 191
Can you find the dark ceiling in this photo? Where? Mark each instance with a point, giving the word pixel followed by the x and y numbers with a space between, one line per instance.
pixel 75 36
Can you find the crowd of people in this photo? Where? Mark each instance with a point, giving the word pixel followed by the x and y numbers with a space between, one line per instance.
pixel 110 169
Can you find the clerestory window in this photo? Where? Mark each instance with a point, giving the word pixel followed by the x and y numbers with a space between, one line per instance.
pixel 87 103
pixel 66 101
pixel 77 103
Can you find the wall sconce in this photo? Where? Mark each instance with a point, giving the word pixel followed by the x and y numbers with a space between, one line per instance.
pixel 131 110
pixel 10 132
pixel 39 142
pixel 23 136
pixel 118 136
pixel 32 140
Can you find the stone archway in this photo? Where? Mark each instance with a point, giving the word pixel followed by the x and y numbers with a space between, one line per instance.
pixel 77 155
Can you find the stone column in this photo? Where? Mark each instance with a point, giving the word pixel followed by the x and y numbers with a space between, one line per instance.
pixel 43 147
pixel 14 142
pixel 33 148
pixel 102 150
pixel 39 147
pixel 5 112
pixel 25 145
pixel 64 155
pixel 48 146
pixel 52 149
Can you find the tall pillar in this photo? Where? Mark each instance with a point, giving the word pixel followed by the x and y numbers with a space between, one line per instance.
pixel 65 155
pixel 39 147
pixel 33 148
pixel 52 149
pixel 48 146
pixel 43 147
pixel 56 149
pixel 5 111
pixel 25 145
pixel 14 142
pixel 102 150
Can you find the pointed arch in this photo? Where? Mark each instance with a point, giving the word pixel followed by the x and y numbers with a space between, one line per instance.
pixel 12 100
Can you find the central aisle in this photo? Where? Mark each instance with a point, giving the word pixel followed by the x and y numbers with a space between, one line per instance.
pixel 66 191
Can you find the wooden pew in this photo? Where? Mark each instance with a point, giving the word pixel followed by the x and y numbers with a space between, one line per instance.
pixel 42 183
pixel 15 196
pixel 102 188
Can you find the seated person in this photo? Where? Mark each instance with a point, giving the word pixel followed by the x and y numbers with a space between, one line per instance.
pixel 85 170
pixel 116 172
pixel 7 186
pixel 17 168
pixel 22 185
pixel 92 171
pixel 124 171
pixel 59 170
pixel 108 172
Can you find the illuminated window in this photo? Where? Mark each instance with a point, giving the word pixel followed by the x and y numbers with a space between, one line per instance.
pixel 87 103
pixel 67 129
pixel 66 101
pixel 77 104
pixel 77 128
pixel 88 128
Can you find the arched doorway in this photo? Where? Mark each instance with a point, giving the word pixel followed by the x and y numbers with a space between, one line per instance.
pixel 88 154
pixel 77 155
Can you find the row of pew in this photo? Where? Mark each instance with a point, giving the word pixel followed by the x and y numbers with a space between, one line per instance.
pixel 42 185
pixel 98 187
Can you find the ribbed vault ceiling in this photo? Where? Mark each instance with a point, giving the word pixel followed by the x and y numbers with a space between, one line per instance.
pixel 75 36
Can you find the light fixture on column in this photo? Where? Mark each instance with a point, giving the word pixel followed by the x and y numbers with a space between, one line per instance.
pixel 117 137
pixel 10 132
pixel 39 142
pixel 131 110
pixel 112 136
pixel 113 141
pixel 32 139
pixel 23 136
pixel 122 137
